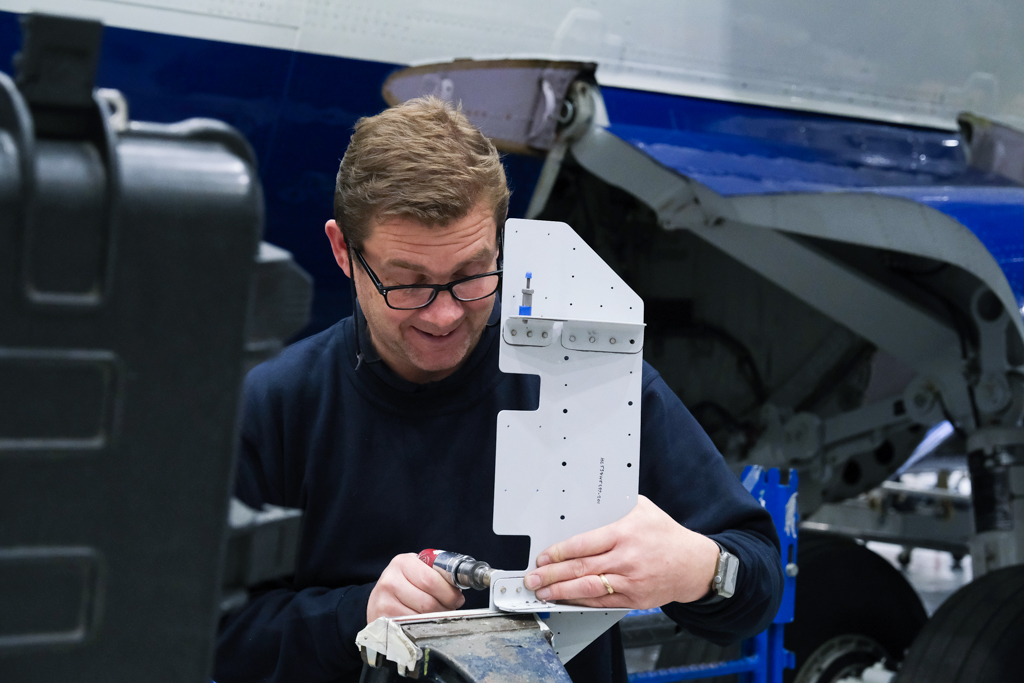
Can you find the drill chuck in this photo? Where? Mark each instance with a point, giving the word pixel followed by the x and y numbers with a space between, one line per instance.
pixel 462 571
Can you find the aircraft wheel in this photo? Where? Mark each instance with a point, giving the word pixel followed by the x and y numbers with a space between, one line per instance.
pixel 853 609
pixel 840 657
pixel 975 636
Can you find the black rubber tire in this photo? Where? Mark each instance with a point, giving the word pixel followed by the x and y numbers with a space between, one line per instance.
pixel 844 589
pixel 976 636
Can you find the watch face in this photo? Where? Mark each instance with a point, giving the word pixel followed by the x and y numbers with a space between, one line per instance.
pixel 725 574
pixel 730 568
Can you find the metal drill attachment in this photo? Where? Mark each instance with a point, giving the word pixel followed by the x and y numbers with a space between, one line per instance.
pixel 462 571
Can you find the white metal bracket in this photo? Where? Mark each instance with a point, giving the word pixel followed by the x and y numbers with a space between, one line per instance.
pixel 573 464
pixel 384 639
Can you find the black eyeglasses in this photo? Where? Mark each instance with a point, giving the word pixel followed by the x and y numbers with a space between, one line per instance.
pixel 411 297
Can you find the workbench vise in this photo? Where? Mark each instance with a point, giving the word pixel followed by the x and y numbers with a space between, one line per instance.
pixel 460 647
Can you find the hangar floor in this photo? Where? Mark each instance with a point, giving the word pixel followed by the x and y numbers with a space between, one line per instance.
pixel 930 572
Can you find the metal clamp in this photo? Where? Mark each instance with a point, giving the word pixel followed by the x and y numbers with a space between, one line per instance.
pixel 522 331
pixel 587 335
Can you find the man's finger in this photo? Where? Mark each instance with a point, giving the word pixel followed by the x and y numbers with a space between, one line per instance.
pixel 586 544
pixel 456 602
pixel 429 581
pixel 576 589
pixel 394 608
pixel 418 601
pixel 566 571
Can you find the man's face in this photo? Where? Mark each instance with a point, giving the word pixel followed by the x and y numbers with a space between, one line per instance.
pixel 425 344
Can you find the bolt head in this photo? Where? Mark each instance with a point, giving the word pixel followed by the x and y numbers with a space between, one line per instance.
pixel 529 333
pixel 612 340
pixel 514 333
pixel 572 337
pixel 544 335
pixel 592 340
pixel 792 570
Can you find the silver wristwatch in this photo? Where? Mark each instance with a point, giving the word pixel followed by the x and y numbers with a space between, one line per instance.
pixel 724 583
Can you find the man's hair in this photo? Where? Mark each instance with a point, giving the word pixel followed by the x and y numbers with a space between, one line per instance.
pixel 423 160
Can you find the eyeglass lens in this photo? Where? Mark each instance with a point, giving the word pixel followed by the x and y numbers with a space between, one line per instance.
pixel 470 290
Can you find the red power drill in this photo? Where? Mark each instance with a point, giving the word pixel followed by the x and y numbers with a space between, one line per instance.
pixel 461 571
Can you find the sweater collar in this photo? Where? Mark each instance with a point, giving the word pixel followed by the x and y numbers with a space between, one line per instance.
pixel 369 361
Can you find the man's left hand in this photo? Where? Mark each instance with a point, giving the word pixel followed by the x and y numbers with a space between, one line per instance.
pixel 646 557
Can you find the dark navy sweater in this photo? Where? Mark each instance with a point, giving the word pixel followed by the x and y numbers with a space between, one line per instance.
pixel 382 466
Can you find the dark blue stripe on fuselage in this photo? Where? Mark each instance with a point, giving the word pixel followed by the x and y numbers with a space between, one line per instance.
pixel 738 149
pixel 746 149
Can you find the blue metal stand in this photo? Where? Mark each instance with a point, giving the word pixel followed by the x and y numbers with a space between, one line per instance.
pixel 764 656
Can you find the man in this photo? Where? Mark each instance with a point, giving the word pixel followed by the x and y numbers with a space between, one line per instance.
pixel 382 428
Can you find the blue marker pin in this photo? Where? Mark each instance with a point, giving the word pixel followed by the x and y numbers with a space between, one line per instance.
pixel 527 307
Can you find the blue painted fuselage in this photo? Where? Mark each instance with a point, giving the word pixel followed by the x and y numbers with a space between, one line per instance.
pixel 298 110
pixel 739 149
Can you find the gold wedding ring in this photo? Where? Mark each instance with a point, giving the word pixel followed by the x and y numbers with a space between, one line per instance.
pixel 607 585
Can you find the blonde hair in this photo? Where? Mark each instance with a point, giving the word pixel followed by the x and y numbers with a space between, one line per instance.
pixel 423 160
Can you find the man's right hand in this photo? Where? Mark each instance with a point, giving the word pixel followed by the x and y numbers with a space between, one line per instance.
pixel 408 586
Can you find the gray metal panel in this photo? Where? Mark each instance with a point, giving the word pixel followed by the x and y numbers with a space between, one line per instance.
pixel 881 222
pixel 875 313
pixel 516 103
pixel 879 315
